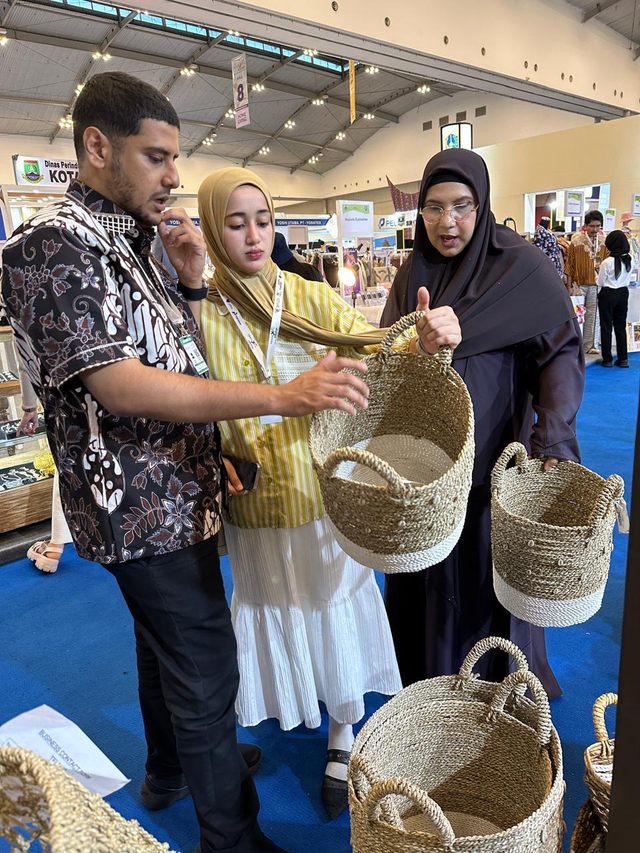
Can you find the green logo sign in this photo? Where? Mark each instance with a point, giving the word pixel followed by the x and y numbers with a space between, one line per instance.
pixel 356 208
pixel 31 171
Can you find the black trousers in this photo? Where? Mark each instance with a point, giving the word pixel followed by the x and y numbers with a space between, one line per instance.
pixel 612 305
pixel 188 680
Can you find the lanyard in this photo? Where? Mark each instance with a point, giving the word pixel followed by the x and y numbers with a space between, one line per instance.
pixel 245 331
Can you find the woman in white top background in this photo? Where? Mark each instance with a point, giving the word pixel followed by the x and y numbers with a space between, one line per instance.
pixel 613 297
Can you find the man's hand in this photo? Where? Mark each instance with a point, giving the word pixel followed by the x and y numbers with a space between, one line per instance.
pixel 324 387
pixel 437 328
pixel 185 246
pixel 28 424
pixel 234 484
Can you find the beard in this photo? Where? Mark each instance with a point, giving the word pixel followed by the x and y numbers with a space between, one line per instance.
pixel 124 192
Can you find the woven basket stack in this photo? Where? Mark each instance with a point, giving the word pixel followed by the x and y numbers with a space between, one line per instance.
pixel 41 804
pixel 395 479
pixel 551 538
pixel 458 764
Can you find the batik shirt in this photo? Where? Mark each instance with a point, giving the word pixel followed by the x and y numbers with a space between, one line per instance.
pixel 79 297
pixel 547 242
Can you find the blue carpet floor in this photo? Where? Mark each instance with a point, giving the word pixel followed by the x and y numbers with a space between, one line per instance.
pixel 67 641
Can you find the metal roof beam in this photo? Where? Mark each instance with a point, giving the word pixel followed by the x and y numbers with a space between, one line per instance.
pixel 599 7
pixel 84 73
pixel 195 56
pixel 13 4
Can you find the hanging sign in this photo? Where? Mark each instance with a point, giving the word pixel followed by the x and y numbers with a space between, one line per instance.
pixel 352 90
pixel 41 172
pixel 573 203
pixel 240 90
pixel 635 204
pixel 456 135
pixel 609 219
pixel 356 218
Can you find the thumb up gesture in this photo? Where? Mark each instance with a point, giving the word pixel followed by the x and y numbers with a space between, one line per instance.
pixel 438 327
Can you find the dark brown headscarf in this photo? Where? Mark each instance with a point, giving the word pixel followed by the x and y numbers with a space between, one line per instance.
pixel 502 288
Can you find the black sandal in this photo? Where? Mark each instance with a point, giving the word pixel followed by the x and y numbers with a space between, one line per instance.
pixel 335 793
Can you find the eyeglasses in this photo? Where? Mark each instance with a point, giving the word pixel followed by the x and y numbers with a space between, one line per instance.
pixel 433 213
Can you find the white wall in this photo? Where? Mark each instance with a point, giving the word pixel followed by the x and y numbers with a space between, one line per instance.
pixel 401 151
pixel 192 171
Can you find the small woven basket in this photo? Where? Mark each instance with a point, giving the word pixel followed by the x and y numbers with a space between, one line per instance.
pixel 395 478
pixel 41 804
pixel 551 538
pixel 598 761
pixel 587 836
pixel 439 773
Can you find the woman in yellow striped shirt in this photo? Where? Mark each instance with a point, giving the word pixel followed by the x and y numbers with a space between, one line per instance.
pixel 310 622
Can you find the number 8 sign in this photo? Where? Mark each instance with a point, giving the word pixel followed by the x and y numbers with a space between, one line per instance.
pixel 239 72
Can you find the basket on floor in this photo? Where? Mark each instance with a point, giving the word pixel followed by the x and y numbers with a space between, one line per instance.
pixel 458 774
pixel 551 538
pixel 40 803
pixel 395 478
pixel 587 836
pixel 598 761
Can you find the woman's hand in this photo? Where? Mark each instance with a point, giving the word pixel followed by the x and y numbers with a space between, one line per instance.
pixel 437 328
pixel 233 481
pixel 28 424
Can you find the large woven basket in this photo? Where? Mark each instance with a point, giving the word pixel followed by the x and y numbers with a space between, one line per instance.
pixel 395 478
pixel 598 761
pixel 458 774
pixel 41 804
pixel 551 538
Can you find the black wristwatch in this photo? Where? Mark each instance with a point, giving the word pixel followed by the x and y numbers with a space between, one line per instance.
pixel 193 294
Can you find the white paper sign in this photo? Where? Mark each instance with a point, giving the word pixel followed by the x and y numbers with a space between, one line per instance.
pixel 609 219
pixel 57 739
pixel 635 204
pixel 240 89
pixel 573 203
pixel 356 218
pixel 43 172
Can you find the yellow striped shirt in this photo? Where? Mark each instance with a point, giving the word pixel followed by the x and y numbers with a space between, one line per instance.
pixel 579 264
pixel 288 494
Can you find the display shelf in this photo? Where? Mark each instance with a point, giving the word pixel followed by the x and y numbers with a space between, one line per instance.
pixel 21 439
pixel 25 505
pixel 10 388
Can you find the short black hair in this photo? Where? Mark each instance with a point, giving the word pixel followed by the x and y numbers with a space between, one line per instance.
pixel 116 103
pixel 593 214
pixel 545 221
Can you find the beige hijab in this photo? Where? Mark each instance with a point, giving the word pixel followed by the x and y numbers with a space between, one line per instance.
pixel 253 294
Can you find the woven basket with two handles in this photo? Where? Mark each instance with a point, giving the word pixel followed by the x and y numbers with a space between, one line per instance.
pixel 458 764
pixel 395 478
pixel 551 537
pixel 43 808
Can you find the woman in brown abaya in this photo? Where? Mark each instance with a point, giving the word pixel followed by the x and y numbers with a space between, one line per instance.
pixel 521 358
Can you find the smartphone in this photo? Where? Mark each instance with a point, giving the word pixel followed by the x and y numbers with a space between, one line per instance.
pixel 248 472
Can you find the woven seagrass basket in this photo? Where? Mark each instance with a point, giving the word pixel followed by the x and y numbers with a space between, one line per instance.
pixel 587 836
pixel 41 804
pixel 551 538
pixel 437 772
pixel 395 478
pixel 598 761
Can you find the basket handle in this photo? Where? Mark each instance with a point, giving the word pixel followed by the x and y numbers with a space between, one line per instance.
pixel 600 706
pixel 507 687
pixel 402 788
pixel 399 487
pixel 444 354
pixel 358 764
pixel 612 491
pixel 514 449
pixel 486 645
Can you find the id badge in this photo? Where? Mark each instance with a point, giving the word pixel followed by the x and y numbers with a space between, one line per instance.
pixel 195 356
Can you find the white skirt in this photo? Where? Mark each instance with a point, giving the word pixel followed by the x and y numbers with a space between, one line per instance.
pixel 310 624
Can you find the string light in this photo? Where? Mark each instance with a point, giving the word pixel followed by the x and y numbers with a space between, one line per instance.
pixel 424 89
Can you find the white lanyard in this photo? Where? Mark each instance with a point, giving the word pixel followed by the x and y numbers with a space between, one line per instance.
pixel 245 331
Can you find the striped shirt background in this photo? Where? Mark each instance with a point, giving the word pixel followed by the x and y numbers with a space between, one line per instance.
pixel 288 493
pixel 579 264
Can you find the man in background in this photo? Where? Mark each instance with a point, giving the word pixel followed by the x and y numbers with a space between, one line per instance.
pixel 584 256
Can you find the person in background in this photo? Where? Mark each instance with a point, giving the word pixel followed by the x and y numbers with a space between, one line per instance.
pixel 547 242
pixel 563 242
pixel 46 554
pixel 613 297
pixel 283 257
pixel 625 219
pixel 310 621
pixel 586 253
pixel 520 353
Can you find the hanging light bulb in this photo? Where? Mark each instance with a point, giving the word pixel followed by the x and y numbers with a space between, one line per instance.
pixel 424 89
pixel 372 69
pixel 289 124
pixel 341 135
